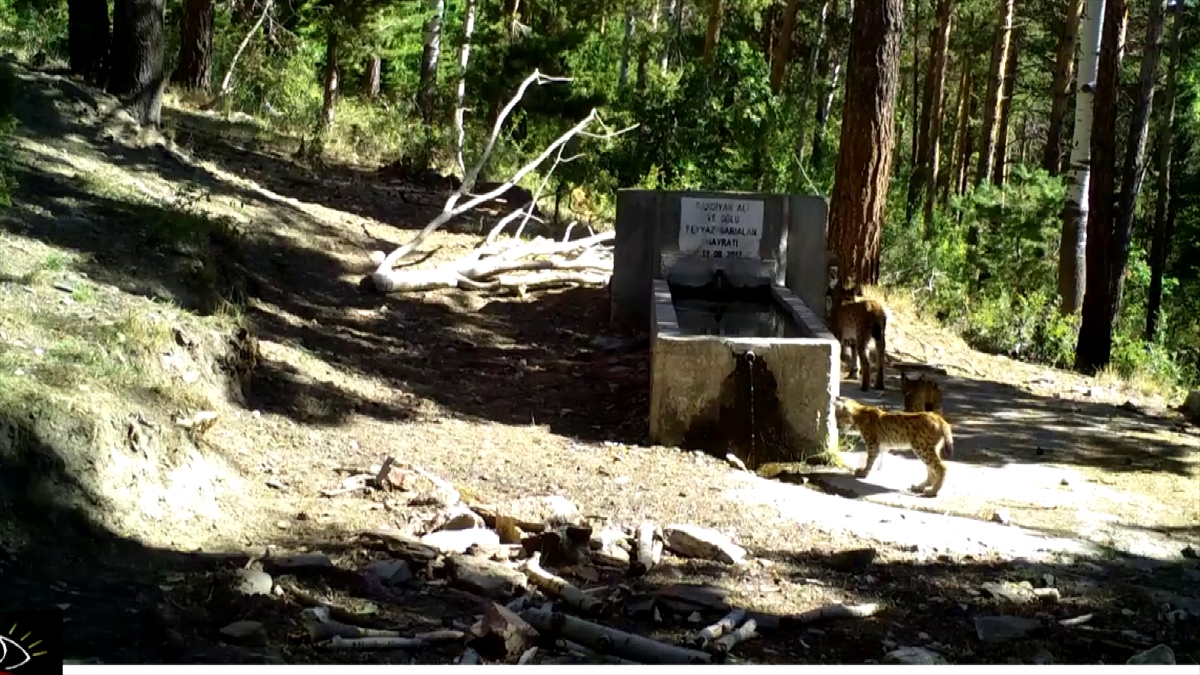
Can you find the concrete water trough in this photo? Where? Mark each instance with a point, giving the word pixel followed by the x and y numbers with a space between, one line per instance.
pixel 726 284
pixel 741 366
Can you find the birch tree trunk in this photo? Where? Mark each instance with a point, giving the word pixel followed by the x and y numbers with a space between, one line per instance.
pixel 1102 191
pixel 332 83
pixel 626 47
pixel 430 57
pixel 668 11
pixel 1064 66
pixel 1104 292
pixel 464 59
pixel 1071 261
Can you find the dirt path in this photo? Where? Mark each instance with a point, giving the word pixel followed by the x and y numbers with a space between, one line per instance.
pixel 507 398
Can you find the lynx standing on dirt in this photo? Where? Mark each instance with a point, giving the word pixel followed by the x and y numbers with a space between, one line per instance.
pixel 859 320
pixel 925 432
pixel 921 394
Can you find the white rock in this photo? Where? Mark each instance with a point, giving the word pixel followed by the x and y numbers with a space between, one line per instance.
pixel 551 509
pixel 460 518
pixel 1159 655
pixel 691 541
pixel 914 656
pixel 458 541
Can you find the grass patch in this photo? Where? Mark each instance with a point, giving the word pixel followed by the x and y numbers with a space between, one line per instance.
pixel 49 347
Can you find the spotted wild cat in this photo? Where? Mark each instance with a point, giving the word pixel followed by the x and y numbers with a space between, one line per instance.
pixel 921 394
pixel 859 320
pixel 926 433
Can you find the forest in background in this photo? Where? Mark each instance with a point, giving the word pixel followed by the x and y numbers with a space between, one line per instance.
pixel 965 200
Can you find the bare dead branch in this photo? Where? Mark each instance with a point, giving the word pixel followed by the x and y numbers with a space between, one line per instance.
pixel 610 640
pixel 716 630
pixel 224 90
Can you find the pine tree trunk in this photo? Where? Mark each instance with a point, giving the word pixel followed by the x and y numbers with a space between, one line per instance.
pixel 962 121
pixel 195 44
pixel 712 34
pixel 374 77
pixel 1000 170
pixel 1064 65
pixel 1100 313
pixel 783 49
pixel 937 82
pixel 1071 252
pixel 925 170
pixel 916 81
pixel 430 58
pixel 1160 242
pixel 136 67
pixel 811 89
pixel 1090 351
pixel 867 141
pixel 968 149
pixel 988 133
pixel 995 91
pixel 87 39
pixel 332 80
pixel 644 51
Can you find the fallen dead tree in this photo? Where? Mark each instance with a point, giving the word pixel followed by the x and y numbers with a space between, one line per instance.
pixel 507 263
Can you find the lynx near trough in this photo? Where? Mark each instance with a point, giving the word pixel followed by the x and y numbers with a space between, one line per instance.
pixel 858 320
pixel 921 394
pixel 926 433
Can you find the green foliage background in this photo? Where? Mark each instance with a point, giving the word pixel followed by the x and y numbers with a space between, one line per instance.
pixel 717 125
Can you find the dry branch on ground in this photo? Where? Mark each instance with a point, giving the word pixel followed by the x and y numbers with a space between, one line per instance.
pixel 496 263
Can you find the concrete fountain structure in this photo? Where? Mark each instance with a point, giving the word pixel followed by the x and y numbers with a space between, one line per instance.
pixel 725 284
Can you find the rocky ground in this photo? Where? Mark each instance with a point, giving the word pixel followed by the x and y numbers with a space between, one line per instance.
pixel 1067 532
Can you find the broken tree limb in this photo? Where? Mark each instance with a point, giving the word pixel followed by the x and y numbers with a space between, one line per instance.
pixel 224 90
pixel 498 271
pixel 416 642
pixel 838 611
pixel 384 276
pixel 321 626
pixel 557 587
pixel 591 654
pixel 716 630
pixel 728 641
pixel 649 549
pixel 452 208
pixel 610 640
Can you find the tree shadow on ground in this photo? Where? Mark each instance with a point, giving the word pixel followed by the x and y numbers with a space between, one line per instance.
pixel 256 154
pixel 996 424
pixel 1097 613
pixel 509 361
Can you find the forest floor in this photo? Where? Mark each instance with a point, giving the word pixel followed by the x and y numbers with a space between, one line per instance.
pixel 114 261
